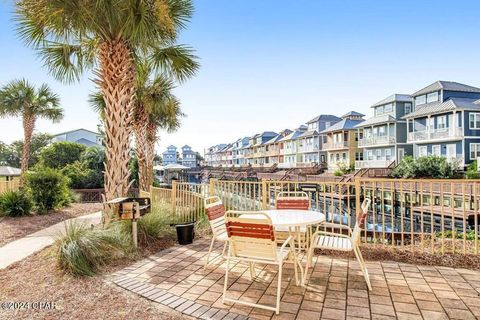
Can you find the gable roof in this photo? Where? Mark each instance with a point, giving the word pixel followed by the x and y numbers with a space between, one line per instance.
pixel 448 105
pixel 344 124
pixel 186 146
pixel 446 85
pixel 376 120
pixel 394 97
pixel 9 171
pixel 75 130
pixel 309 133
pixel 324 117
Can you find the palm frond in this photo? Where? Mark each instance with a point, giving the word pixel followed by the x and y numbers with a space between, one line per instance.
pixel 177 61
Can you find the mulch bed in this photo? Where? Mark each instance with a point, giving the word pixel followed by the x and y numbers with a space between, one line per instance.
pixel 370 252
pixel 37 278
pixel 13 228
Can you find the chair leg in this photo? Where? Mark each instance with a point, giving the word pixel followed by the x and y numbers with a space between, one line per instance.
pixel 251 266
pixel 225 284
pixel 279 287
pixel 224 248
pixel 359 256
pixel 208 255
pixel 295 266
pixel 309 262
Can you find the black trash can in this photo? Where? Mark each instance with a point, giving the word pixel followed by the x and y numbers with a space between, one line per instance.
pixel 185 232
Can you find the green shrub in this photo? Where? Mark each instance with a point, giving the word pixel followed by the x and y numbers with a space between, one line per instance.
pixel 472 172
pixel 59 154
pixel 338 173
pixel 49 189
pixel 15 203
pixel 82 177
pixel 425 167
pixel 151 227
pixel 82 251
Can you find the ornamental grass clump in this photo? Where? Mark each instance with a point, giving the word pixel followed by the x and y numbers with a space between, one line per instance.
pixel 15 203
pixel 82 251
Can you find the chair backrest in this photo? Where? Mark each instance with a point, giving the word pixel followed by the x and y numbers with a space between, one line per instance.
pixel 292 200
pixel 361 217
pixel 215 211
pixel 251 235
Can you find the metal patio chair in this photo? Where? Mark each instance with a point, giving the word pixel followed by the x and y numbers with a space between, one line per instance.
pixel 322 239
pixel 251 239
pixel 215 211
pixel 293 200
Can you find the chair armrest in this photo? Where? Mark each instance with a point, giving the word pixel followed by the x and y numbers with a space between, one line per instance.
pixel 288 241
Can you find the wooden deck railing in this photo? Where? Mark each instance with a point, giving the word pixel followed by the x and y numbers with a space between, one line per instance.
pixel 436 216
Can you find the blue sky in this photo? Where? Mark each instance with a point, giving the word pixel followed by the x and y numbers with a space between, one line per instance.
pixel 274 64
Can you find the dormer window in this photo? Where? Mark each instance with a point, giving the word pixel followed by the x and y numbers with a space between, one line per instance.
pixel 427 98
pixel 388 108
pixel 408 108
pixel 432 97
pixel 379 110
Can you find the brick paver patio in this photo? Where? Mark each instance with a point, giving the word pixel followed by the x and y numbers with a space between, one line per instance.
pixel 335 289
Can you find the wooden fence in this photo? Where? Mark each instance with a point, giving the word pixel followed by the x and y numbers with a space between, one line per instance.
pixel 11 185
pixel 436 216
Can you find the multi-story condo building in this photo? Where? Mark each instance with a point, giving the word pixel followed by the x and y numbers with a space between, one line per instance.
pixel 170 155
pixel 342 141
pixel 189 157
pixel 384 136
pixel 446 122
pixel 238 151
pixel 213 155
pixel 311 141
pixel 259 148
pixel 274 147
pixel 290 153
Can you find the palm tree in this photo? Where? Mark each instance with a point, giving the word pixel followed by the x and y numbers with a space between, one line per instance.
pixel 19 98
pixel 75 36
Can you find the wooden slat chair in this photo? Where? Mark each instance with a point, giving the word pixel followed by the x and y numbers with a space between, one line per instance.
pixel 252 239
pixel 341 242
pixel 293 200
pixel 215 211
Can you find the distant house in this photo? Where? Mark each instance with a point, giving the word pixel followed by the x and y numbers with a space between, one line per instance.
pixel 170 156
pixel 9 173
pixel 445 122
pixel 82 136
pixel 189 157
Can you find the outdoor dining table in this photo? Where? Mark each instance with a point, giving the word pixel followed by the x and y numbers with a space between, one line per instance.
pixel 293 221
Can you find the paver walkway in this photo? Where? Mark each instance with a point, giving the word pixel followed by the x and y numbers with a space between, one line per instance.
pixel 335 289
pixel 21 248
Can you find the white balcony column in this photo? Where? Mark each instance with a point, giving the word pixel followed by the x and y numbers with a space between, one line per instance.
pixel 388 132
pixel 428 127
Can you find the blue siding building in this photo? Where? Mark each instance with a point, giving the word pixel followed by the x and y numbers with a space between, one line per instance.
pixel 170 156
pixel 446 122
pixel 189 157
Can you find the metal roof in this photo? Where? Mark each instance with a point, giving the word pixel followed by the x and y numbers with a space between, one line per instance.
pixel 324 117
pixel 441 107
pixel 393 98
pixel 352 114
pixel 446 85
pixel 376 120
pixel 9 171
pixel 344 124
pixel 309 133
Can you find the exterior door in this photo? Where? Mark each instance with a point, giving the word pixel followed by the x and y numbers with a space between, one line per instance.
pixel 451 151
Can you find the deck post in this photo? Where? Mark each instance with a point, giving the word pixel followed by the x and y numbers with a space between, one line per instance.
pixel 211 187
pixel 264 194
pixel 174 197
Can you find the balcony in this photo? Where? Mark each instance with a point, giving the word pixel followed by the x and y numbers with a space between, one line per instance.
pixel 309 148
pixel 373 164
pixel 336 145
pixel 376 141
pixel 435 134
pixel 272 152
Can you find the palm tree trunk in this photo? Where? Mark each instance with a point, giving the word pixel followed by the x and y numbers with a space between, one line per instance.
pixel 140 130
pixel 150 151
pixel 28 126
pixel 115 77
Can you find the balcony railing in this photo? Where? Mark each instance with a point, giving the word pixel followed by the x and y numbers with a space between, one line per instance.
pixel 434 134
pixel 336 145
pixel 372 164
pixel 309 148
pixel 376 140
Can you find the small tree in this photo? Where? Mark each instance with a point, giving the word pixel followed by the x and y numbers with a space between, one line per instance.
pixel 425 167
pixel 39 141
pixel 49 189
pixel 59 154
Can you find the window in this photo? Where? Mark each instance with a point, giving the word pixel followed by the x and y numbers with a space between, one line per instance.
pixel 408 108
pixel 327 124
pixel 474 151
pixel 420 100
pixel 344 156
pixel 442 122
pixel 381 131
pixel 432 97
pixel 474 120
pixel 379 111
pixel 369 155
pixel 359 156
pixel 388 108
pixel 337 157
pixel 379 154
pixel 388 154
pixel 436 150
pixel 422 151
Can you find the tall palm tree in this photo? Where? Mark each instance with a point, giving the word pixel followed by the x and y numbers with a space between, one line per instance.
pixel 19 98
pixel 155 108
pixel 74 36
